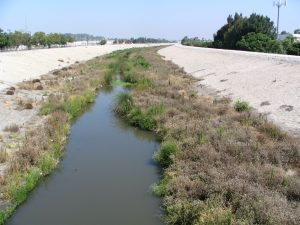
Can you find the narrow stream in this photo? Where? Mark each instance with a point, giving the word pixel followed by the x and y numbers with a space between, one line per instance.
pixel 104 178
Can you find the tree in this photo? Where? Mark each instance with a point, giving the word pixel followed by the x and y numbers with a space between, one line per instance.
pixel 297 31
pixel 238 26
pixel 4 39
pixel 103 42
pixel 39 38
pixel 259 42
pixel 288 42
pixel 20 38
pixel 294 49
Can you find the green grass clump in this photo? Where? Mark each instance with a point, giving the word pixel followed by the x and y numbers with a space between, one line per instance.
pixel 124 104
pixel 53 104
pixel 144 83
pixel 73 105
pixel 47 163
pixel 140 119
pixel 18 193
pixel 160 189
pixel 89 96
pixel 241 106
pixel 167 150
pixel 130 77
pixel 156 110
pixel 108 78
pixel 141 61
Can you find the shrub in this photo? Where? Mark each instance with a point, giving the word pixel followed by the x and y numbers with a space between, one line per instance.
pixel 259 42
pixel 294 49
pixel 241 106
pixel 139 119
pixel 102 42
pixel 167 150
pixel 160 189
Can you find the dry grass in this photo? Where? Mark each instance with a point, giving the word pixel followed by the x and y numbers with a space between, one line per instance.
pixel 231 167
pixel 14 128
pixel 3 156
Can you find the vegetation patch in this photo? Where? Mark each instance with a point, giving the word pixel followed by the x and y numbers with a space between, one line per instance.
pixel 220 164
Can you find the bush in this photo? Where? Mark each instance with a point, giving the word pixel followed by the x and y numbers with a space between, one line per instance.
pixel 165 153
pixel 124 104
pixel 102 42
pixel 294 49
pixel 241 106
pixel 258 42
pixel 160 189
pixel 139 119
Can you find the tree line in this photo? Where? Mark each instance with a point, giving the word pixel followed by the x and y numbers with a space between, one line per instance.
pixel 253 33
pixel 13 40
pixel 140 40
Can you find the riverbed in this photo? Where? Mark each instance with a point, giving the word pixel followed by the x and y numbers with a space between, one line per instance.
pixel 104 177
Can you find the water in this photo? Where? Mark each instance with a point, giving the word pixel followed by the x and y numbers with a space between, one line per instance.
pixel 104 178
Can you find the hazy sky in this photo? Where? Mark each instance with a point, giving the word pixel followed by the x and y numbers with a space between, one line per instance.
pixel 172 19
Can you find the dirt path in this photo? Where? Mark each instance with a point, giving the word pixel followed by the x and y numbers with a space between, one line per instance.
pixel 270 83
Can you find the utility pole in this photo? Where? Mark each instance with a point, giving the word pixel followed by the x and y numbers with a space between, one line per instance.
pixel 278 4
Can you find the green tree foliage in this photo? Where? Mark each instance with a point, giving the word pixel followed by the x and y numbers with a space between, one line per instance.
pixel 102 42
pixel 196 42
pixel 39 38
pixel 259 42
pixel 297 31
pixel 18 38
pixel 238 26
pixel 294 49
pixel 4 40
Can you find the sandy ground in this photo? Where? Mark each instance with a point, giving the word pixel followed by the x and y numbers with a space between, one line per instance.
pixel 269 82
pixel 23 65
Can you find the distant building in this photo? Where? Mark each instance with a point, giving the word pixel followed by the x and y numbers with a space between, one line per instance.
pixel 297 37
pixel 281 37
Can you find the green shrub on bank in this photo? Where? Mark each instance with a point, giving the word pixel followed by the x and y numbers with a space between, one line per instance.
pixel 258 42
pixel 124 104
pixel 141 61
pixel 167 150
pixel 140 119
pixel 294 49
pixel 241 106
pixel 160 189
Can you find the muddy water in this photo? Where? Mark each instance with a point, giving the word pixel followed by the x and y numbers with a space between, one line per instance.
pixel 104 178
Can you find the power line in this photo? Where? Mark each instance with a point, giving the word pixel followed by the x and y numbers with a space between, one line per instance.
pixel 278 4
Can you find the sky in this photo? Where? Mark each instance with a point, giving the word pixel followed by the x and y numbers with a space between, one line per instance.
pixel 171 19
